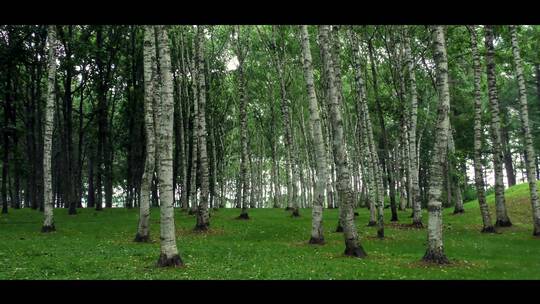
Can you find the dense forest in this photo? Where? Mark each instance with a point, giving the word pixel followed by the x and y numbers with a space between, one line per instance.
pixel 194 119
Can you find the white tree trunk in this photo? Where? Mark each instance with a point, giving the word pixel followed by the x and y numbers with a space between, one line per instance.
pixel 48 206
pixel 502 216
pixel 526 132
pixel 414 189
pixel 169 253
pixel 319 150
pixel 352 244
pixel 150 74
pixel 435 249
pixel 203 220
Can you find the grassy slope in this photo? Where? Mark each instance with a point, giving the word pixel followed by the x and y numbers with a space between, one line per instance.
pixel 98 245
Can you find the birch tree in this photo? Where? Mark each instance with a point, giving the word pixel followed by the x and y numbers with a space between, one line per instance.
pixel 244 183
pixel 202 210
pixel 346 212
pixel 502 216
pixel 317 236
pixel 526 132
pixel 169 252
pixel 414 189
pixel 48 199
pixel 435 249
pixel 150 75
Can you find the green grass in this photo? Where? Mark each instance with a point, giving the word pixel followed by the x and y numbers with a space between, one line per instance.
pixel 98 245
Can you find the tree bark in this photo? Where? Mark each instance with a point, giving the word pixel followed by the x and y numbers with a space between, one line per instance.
pixel 317 231
pixel 414 188
pixel 244 183
pixel 203 220
pixel 169 252
pixel 150 102
pixel 435 249
pixel 526 132
pixel 502 217
pixel 352 244
pixel 48 222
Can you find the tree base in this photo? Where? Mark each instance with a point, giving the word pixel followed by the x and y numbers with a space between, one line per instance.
pixel 72 212
pixel 356 214
pixel 489 229
pixel 192 212
pixel 394 218
pixel 357 252
pixel 458 211
pixel 243 216
pixel 46 229
pixel 380 234
pixel 371 223
pixel 339 228
pixel 201 227
pixel 435 257
pixel 316 241
pixel 503 223
pixel 536 231
pixel 174 261
pixel 295 213
pixel 141 238
pixel 288 208
pixel 417 224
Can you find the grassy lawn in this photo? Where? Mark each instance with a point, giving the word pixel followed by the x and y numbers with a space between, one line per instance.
pixel 272 245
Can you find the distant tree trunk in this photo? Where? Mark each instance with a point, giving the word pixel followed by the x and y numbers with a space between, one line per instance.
pixel 169 252
pixel 244 183
pixel 373 177
pixel 292 161
pixel 527 138
pixel 414 188
pixel 183 138
pixel 385 155
pixel 150 104
pixel 317 232
pixel 478 169
pixel 91 198
pixel 194 132
pixel 454 177
pixel 435 248
pixel 203 220
pixel 502 217
pixel 352 244
pixel 48 222
pixel 507 154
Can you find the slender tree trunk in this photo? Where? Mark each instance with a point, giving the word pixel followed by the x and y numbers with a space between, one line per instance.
pixel 317 235
pixel 478 170
pixel 194 133
pixel 502 217
pixel 413 159
pixel 48 221
pixel 244 183
pixel 385 155
pixel 169 252
pixel 526 132
pixel 292 161
pixel 203 220
pixel 352 244
pixel 454 178
pixel 373 178
pixel 507 153
pixel 435 249
pixel 150 102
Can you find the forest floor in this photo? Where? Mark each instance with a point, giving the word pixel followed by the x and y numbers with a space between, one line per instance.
pixel 271 245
